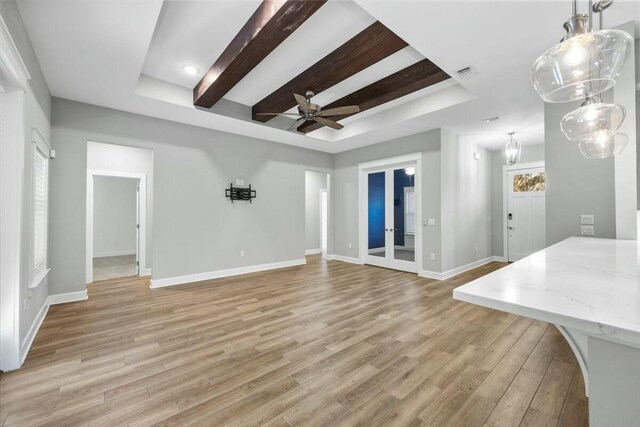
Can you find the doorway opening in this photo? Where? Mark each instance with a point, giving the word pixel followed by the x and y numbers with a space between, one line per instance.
pixel 316 212
pixel 116 224
pixel 390 206
pixel 524 210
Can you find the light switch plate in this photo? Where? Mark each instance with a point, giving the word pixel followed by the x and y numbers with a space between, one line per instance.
pixel 587 219
pixel 432 256
pixel 587 230
pixel 239 181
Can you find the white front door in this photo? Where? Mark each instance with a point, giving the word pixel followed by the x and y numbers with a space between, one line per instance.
pixel 391 218
pixel 525 212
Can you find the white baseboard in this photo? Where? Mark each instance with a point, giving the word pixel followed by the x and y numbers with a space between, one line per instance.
pixel 455 271
pixel 345 259
pixel 31 335
pixel 69 297
pixel 499 258
pixel 313 251
pixel 198 277
pixel 145 272
pixel 114 253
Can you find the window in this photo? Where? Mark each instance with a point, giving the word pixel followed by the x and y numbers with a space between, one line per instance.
pixel 409 210
pixel 40 208
pixel 526 182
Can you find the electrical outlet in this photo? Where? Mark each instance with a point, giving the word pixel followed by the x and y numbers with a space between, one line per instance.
pixel 432 257
pixel 350 245
pixel 239 181
pixel 476 248
pixel 241 253
pixel 587 219
pixel 587 230
pixel 24 305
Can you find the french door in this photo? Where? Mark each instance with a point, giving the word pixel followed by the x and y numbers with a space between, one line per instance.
pixel 525 212
pixel 390 203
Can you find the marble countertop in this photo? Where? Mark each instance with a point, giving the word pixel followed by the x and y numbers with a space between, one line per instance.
pixel 589 284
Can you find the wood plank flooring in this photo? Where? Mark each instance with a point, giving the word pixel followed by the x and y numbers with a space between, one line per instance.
pixel 302 346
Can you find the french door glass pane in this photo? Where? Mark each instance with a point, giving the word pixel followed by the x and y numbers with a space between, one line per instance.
pixel 404 214
pixel 376 213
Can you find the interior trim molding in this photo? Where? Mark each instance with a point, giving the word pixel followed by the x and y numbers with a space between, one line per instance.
pixel 114 253
pixel 499 258
pixel 313 251
pixel 145 272
pixel 11 62
pixel 68 297
pixel 199 277
pixel 33 331
pixel 455 271
pixel 343 258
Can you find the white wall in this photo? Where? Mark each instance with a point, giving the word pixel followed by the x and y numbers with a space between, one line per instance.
pixel 114 216
pixel 466 202
pixel 128 159
pixel 314 182
pixel 36 114
pixel 195 228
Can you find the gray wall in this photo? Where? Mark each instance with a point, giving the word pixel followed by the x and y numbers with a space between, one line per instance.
pixel 314 182
pixel 114 216
pixel 196 229
pixel 575 185
pixel 121 158
pixel 466 202
pixel 530 153
pixel 37 115
pixel 345 191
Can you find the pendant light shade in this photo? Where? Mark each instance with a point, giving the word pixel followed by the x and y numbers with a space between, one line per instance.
pixel 591 118
pixel 511 153
pixel 603 144
pixel 580 66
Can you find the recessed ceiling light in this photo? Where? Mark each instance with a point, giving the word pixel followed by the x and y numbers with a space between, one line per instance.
pixel 190 69
pixel 491 119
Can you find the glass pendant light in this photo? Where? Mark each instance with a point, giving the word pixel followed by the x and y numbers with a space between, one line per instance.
pixel 593 116
pixel 584 64
pixel 603 144
pixel 511 153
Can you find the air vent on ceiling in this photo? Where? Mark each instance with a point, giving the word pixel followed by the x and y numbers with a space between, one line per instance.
pixel 466 72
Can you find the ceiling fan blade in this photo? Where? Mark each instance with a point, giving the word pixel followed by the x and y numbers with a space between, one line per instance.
pixel 329 123
pixel 340 111
pixel 278 114
pixel 302 102
pixel 297 123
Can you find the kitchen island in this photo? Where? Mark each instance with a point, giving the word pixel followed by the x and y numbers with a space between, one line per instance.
pixel 590 289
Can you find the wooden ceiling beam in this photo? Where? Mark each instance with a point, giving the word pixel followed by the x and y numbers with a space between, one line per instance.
pixel 371 45
pixel 270 25
pixel 418 76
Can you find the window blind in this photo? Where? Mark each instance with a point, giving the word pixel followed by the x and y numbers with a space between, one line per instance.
pixel 40 183
pixel 410 211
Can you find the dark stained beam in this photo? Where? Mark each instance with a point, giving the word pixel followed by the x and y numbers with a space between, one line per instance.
pixel 270 25
pixel 418 76
pixel 372 44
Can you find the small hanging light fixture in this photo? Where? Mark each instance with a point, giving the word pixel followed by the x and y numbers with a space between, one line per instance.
pixel 592 117
pixel 511 153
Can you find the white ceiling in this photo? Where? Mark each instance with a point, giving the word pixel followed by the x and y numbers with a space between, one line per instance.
pixel 129 56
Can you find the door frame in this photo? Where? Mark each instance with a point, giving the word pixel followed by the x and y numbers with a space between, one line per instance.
pixel 505 199
pixel 324 191
pixel 329 173
pixel 141 250
pixel 415 159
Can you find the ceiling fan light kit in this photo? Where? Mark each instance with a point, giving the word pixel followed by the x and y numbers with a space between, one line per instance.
pixel 582 66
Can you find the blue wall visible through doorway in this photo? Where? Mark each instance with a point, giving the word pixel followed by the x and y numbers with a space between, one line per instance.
pixel 376 211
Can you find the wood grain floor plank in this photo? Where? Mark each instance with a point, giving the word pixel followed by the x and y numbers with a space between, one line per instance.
pixel 296 346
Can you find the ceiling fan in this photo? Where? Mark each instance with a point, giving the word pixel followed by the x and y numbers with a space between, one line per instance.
pixel 310 111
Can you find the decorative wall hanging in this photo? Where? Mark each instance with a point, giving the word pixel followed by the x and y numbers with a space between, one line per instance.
pixel 240 193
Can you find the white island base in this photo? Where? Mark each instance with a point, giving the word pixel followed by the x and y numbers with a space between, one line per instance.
pixel 590 289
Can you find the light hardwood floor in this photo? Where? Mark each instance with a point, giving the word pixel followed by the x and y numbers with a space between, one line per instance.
pixel 299 346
